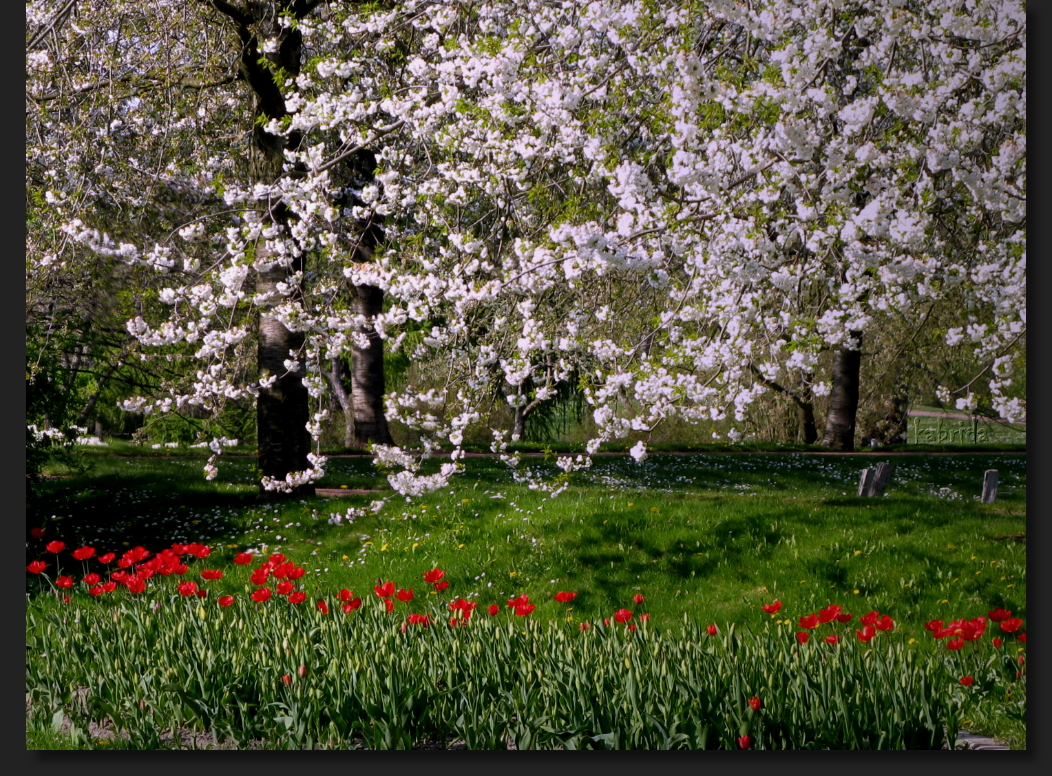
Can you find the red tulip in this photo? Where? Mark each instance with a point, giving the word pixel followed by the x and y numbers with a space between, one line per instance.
pixel 885 623
pixel 565 598
pixel 523 610
pixel 518 601
pixel 606 622
pixel 933 625
pixel 83 553
pixel 1011 625
pixel 389 604
pixel 276 558
pixel 828 614
pixel 259 576
pixel 297 572
pixel 296 598
pixel 322 606
pixel 997 642
pixel 226 600
pixel 404 595
pixel 64 582
pixel 755 703
pixel 243 558
pixel 36 533
pixel 585 626
pixel 802 637
pixel 55 546
pixel 772 607
pixel 91 579
pixel 433 575
pixel 867 633
pixel 386 590
pixel 1022 637
pixel 200 551
pixel 831 639
pixel 967 681
pixel 262 594
pixel 108 587
pixel 622 615
pixel 345 595
pixel 284 587
pixel 301 672
pixel 202 593
pixel 135 584
pixel 638 598
pixel 423 619
pixel 211 574
pixel 440 586
pixel 955 644
pixel 351 605
pixel 96 590
pixel 809 621
pixel 107 558
pixel 187 588
pixel 645 617
pixel 744 742
pixel 36 567
pixel 632 626
pixel 869 619
pixel 452 622
pixel 287 679
pixel 844 617
pixel 999 614
pixel 492 609
pixel 712 629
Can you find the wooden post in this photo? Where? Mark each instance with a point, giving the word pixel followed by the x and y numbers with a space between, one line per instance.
pixel 880 479
pixel 863 483
pixel 989 486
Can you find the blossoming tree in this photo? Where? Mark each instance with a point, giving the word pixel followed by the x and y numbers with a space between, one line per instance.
pixel 674 206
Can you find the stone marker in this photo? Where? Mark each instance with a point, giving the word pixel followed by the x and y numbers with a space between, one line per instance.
pixel 989 486
pixel 880 479
pixel 863 484
pixel 874 481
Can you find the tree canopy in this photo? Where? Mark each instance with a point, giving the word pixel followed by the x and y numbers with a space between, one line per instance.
pixel 669 206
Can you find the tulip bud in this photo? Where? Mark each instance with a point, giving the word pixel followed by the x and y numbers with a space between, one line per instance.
pixel 302 671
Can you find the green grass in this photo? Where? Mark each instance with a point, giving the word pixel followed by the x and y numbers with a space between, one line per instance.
pixel 709 536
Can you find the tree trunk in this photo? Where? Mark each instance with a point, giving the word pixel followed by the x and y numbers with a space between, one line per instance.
pixel 367 374
pixel 805 411
pixel 282 409
pixel 843 398
pixel 346 401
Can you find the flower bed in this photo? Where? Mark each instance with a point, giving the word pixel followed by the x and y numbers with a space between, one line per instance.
pixel 146 647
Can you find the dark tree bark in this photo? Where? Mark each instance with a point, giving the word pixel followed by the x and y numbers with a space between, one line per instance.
pixel 367 374
pixel 805 406
pixel 843 398
pixel 368 381
pixel 336 374
pixel 805 412
pixel 282 409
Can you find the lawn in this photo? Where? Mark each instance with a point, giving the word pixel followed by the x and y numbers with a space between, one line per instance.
pixel 706 538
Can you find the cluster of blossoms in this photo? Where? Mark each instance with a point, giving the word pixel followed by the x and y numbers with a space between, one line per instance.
pixel 134 567
pixel 137 565
pixel 669 205
pixel 957 632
